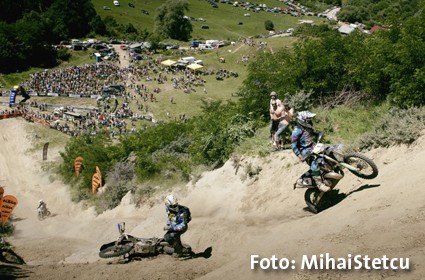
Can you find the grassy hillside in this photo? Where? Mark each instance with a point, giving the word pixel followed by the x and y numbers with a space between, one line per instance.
pixel 223 21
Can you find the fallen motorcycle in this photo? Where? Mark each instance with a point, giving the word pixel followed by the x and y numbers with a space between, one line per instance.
pixel 129 246
pixel 332 160
pixel 43 213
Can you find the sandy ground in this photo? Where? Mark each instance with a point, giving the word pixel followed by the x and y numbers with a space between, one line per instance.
pixel 234 217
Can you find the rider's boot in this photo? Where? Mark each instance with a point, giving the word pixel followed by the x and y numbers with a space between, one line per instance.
pixel 320 185
pixel 178 249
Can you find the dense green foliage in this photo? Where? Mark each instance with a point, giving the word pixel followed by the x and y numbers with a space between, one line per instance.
pixel 387 65
pixel 170 21
pixel 96 151
pixel 29 29
pixel 379 12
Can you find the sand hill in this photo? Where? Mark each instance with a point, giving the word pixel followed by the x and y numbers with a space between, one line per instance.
pixel 234 216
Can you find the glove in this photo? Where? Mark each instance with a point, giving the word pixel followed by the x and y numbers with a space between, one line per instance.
pixel 167 226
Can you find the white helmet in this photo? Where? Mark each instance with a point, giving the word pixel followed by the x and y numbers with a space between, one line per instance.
pixel 40 201
pixel 171 202
pixel 304 119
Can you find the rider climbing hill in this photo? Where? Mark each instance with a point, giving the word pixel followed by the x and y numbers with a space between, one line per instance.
pixel 302 144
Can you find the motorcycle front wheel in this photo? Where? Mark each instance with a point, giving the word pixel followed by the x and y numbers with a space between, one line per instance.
pixel 311 196
pixel 365 167
pixel 115 251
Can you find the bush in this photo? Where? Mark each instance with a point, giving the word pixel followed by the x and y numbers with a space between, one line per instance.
pixel 119 183
pixel 268 25
pixel 397 127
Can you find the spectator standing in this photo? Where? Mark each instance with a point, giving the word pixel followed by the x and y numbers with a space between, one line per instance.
pixel 275 106
pixel 285 115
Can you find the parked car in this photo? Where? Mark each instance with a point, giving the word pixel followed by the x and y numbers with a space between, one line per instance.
pixel 145 12
pixel 131 5
pixel 106 8
pixel 205 27
pixel 116 3
pixel 117 87
pixel 194 44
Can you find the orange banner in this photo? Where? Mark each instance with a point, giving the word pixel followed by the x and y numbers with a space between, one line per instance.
pixel 96 182
pixel 9 202
pixel 98 171
pixel 78 161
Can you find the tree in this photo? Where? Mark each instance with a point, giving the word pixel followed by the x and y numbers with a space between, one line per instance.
pixel 268 25
pixel 170 21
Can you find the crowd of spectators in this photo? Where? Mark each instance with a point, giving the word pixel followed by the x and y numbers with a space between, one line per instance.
pixel 142 83
pixel 85 80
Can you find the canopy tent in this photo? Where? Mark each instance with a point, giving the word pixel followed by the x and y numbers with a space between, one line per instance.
pixel 194 66
pixel 168 62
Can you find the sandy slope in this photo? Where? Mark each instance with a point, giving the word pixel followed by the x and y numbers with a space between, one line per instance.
pixel 233 215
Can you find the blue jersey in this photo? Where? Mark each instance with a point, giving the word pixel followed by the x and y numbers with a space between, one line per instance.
pixel 301 139
pixel 178 221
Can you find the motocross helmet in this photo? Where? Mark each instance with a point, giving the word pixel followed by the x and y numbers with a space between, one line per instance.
pixel 40 201
pixel 273 93
pixel 305 119
pixel 171 203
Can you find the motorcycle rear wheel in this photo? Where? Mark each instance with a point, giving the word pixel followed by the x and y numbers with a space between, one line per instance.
pixel 115 251
pixel 310 197
pixel 367 169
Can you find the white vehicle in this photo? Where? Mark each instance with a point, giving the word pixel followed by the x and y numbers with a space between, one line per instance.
pixel 116 3
pixel 205 47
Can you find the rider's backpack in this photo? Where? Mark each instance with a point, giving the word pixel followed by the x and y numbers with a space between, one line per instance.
pixel 189 216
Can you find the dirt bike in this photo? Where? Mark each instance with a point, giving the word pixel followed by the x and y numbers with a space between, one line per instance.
pixel 332 160
pixel 43 213
pixel 129 246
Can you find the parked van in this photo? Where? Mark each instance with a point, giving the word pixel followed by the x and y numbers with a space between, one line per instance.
pixel 205 47
pixel 116 3
pixel 189 59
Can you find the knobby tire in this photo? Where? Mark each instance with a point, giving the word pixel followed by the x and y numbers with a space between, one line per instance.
pixel 115 251
pixel 359 174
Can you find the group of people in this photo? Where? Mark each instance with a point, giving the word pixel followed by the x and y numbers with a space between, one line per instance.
pixel 302 136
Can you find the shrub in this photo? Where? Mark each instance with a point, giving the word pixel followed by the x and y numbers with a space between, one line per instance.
pixel 268 25
pixel 399 126
pixel 119 183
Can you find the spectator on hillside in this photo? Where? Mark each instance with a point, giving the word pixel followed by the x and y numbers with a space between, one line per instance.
pixel 275 106
pixel 284 114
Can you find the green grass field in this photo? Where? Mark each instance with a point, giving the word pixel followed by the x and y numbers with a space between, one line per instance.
pixel 223 21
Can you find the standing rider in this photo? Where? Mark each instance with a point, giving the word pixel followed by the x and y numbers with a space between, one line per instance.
pixel 302 145
pixel 176 225
pixel 18 90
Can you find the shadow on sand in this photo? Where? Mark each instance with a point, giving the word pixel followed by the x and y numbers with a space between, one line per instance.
pixel 335 197
pixel 205 254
